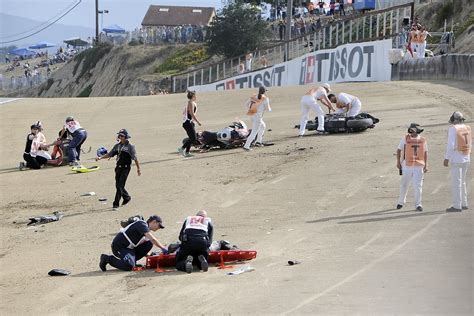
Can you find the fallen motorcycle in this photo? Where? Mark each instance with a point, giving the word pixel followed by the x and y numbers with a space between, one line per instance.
pixel 232 136
pixel 339 123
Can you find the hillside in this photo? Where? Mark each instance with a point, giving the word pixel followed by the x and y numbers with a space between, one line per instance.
pixel 13 27
pixel 111 71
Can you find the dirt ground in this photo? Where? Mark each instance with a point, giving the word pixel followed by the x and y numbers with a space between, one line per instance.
pixel 328 201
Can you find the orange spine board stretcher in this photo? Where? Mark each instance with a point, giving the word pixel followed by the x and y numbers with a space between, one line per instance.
pixel 220 257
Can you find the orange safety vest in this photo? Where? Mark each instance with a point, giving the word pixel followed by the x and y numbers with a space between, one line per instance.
pixel 254 102
pixel 415 151
pixel 463 139
pixel 414 37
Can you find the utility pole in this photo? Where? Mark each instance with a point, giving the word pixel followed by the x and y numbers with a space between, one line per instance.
pixel 96 22
pixel 289 15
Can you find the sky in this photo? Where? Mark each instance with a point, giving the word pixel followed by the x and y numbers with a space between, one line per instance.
pixel 126 13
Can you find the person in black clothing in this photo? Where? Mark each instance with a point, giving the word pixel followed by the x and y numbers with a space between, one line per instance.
pixel 133 243
pixel 125 153
pixel 32 161
pixel 341 7
pixel 281 29
pixel 189 117
pixel 196 237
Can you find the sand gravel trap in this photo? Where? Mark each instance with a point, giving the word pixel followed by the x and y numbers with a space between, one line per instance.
pixel 327 201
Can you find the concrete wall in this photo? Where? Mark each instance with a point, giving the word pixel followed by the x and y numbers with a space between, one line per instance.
pixel 453 66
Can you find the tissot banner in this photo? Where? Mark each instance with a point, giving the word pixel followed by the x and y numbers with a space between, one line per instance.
pixel 350 62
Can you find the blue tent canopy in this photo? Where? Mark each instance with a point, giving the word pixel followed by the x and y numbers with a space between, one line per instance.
pixel 22 52
pixel 42 44
pixel 114 28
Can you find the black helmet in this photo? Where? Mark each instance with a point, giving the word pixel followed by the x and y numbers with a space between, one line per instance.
pixel 456 118
pixel 416 127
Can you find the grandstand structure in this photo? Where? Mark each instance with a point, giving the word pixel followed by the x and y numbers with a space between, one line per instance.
pixel 375 25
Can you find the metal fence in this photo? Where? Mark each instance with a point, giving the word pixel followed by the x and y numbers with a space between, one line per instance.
pixel 374 25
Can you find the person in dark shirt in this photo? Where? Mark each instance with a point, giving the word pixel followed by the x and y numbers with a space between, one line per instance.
pixel 133 243
pixel 196 237
pixel 125 153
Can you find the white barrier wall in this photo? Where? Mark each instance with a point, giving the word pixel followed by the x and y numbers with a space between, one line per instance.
pixel 350 62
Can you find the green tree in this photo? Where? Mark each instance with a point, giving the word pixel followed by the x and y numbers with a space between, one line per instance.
pixel 236 30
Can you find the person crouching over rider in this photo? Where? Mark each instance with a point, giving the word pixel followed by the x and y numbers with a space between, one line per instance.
pixel 196 237
pixel 413 164
pixel 257 105
pixel 33 145
pixel 310 102
pixel 133 243
pixel 346 104
pixel 79 136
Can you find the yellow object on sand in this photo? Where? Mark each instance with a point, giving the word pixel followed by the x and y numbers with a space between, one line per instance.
pixel 82 169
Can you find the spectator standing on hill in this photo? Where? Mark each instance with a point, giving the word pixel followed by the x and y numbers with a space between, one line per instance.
pixel 241 68
pixel 422 41
pixel 321 7
pixel 281 29
pixel 458 153
pixel 248 62
pixel 341 7
pixel 125 153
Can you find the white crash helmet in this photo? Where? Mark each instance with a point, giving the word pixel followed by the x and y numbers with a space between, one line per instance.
pixel 224 135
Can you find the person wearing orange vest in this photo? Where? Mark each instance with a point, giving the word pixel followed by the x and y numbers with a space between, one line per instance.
pixel 412 165
pixel 256 106
pixel 458 151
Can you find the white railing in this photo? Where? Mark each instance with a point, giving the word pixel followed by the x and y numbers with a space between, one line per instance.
pixel 374 25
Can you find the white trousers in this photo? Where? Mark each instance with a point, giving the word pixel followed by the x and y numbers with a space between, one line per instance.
pixel 309 103
pixel 421 49
pixel 458 184
pixel 258 129
pixel 355 108
pixel 415 176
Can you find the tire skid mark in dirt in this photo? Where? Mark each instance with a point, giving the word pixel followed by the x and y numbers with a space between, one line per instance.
pixel 367 267
pixel 438 187
pixel 344 211
pixel 368 242
pixel 279 179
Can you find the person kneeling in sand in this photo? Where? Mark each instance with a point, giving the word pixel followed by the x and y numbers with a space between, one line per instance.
pixel 133 243
pixel 196 237
pixel 34 153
